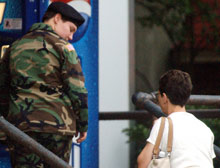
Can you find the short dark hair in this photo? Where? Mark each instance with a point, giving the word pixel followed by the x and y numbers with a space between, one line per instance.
pixel 177 85
pixel 48 15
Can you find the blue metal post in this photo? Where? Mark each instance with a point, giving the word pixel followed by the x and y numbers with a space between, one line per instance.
pixel 30 14
pixel 42 7
pixel 87 49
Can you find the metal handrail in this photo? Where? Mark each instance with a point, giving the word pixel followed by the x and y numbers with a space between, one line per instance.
pixel 144 114
pixel 23 139
pixel 211 100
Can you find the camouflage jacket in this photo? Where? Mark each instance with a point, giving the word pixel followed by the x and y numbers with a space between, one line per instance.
pixel 45 84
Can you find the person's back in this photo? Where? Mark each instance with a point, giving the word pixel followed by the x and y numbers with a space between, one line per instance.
pixel 192 139
pixel 38 97
pixel 192 145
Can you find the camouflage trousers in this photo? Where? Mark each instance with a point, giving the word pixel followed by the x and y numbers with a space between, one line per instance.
pixel 24 158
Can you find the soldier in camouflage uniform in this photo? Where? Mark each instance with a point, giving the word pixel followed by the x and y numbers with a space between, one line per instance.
pixel 47 98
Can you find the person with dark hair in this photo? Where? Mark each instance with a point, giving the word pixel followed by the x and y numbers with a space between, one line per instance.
pixel 192 139
pixel 47 98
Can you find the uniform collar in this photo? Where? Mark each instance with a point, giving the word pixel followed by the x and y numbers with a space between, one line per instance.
pixel 41 26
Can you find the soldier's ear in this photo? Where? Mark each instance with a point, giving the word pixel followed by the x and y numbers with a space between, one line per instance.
pixel 57 18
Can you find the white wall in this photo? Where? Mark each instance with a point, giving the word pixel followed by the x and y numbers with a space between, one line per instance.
pixel 116 78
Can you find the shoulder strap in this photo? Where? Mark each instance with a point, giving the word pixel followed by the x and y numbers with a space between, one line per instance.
pixel 160 134
pixel 170 136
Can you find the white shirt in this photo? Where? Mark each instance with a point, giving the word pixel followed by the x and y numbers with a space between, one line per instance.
pixel 192 141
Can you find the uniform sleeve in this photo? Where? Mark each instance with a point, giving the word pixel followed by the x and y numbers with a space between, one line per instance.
pixel 4 84
pixel 75 86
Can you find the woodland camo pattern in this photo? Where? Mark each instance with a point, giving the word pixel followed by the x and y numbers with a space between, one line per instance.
pixel 42 85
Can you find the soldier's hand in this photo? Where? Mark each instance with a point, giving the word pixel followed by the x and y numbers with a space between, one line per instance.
pixel 82 137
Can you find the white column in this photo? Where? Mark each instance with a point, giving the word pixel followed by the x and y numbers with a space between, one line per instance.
pixel 116 78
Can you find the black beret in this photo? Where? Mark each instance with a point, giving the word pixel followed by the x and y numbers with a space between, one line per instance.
pixel 67 11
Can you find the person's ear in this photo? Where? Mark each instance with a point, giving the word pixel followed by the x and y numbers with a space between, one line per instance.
pixel 165 98
pixel 57 18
